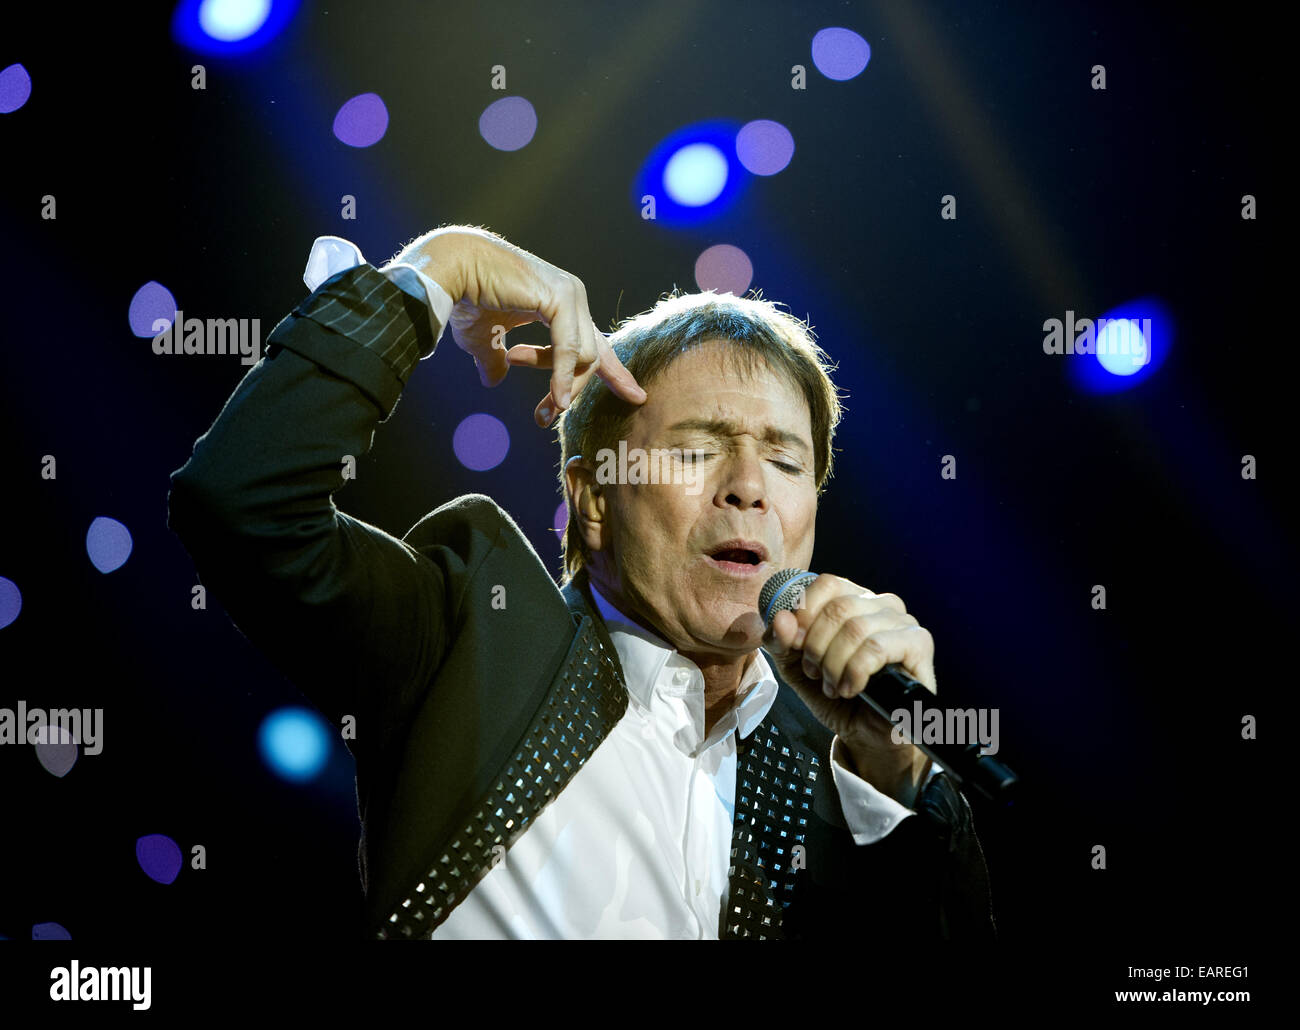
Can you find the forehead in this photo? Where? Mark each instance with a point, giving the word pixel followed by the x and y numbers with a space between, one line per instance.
pixel 716 379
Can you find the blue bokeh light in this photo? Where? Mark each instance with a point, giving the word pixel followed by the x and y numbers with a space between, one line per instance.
pixel 840 53
pixel 229 28
pixel 295 743
pixel 230 20
pixel 1130 343
pixel 11 601
pixel 1122 346
pixel 692 175
pixel 108 544
pixel 15 88
pixel 159 857
pixel 696 174
pixel 152 303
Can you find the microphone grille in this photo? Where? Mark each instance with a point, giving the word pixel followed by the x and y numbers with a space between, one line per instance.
pixel 781 592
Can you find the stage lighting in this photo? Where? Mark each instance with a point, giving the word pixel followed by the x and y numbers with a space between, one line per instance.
pixel 691 177
pixel 1123 347
pixel 108 544
pixel 228 28
pixel 696 174
pixel 294 743
pixel 481 442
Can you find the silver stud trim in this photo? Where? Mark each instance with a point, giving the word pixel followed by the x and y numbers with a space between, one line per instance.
pixel 584 704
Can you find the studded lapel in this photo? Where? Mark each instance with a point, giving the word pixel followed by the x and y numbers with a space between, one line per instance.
pixel 584 703
pixel 775 778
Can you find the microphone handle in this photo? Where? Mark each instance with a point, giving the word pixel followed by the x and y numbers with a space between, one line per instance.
pixel 892 688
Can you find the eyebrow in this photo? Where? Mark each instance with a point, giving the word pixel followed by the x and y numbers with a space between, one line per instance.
pixel 726 427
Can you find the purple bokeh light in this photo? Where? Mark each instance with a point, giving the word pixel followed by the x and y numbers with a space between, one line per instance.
pixel 11 601
pixel 108 543
pixel 159 857
pixel 508 123
pixel 151 302
pixel 840 53
pixel 560 520
pixel 764 147
pixel 481 442
pixel 15 88
pixel 362 121
pixel 724 269
pixel 57 757
pixel 50 932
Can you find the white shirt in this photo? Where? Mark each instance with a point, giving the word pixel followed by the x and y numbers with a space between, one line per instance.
pixel 639 843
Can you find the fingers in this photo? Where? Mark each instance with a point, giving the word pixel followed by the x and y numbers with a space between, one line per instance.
pixel 909 646
pixel 491 363
pixel 482 335
pixel 525 355
pixel 572 343
pixel 832 646
pixel 546 410
pixel 606 365
pixel 850 634
pixel 503 281
pixel 620 380
pixel 825 587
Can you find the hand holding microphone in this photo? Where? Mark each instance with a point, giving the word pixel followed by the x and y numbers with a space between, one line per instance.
pixel 855 657
pixel 829 636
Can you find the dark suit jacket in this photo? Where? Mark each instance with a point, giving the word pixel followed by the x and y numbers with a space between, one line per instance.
pixel 471 716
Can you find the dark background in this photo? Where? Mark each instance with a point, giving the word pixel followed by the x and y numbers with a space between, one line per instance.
pixel 1124 724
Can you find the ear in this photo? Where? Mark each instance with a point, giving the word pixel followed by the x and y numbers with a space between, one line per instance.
pixel 588 503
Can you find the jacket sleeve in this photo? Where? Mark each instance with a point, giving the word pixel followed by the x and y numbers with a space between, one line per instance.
pixel 349 613
pixel 925 881
pixel 965 901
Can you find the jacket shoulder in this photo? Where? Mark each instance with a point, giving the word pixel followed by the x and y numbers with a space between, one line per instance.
pixel 474 532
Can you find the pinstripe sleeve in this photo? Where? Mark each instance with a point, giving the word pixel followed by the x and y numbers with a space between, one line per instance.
pixel 378 332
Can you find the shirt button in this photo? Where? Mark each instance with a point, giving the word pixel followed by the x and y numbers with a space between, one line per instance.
pixel 681 677
pixel 697 887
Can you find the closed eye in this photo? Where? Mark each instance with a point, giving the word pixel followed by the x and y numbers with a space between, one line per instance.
pixel 690 457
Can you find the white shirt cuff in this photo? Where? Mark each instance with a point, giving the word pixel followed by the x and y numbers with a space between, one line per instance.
pixel 331 255
pixel 871 814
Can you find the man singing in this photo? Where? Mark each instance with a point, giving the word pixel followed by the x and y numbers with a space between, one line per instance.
pixel 631 756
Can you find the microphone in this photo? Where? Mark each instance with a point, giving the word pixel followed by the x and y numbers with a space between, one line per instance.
pixel 891 689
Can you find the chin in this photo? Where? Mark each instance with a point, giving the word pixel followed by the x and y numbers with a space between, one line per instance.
pixel 742 632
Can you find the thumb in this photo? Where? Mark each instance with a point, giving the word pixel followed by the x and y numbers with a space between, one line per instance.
pixel 782 635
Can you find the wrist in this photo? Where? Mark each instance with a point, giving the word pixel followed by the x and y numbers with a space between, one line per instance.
pixel 441 256
pixel 900 777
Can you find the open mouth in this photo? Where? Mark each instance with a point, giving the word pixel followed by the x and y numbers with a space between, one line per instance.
pixel 739 556
pixel 736 556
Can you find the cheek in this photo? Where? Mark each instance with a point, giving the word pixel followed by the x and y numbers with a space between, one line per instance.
pixel 801 529
pixel 658 514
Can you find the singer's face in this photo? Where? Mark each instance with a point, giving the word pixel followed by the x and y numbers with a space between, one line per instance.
pixel 752 483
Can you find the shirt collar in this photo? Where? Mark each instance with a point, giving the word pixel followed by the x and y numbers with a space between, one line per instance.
pixel 644 654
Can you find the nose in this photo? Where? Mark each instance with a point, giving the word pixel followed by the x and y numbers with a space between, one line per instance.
pixel 742 484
